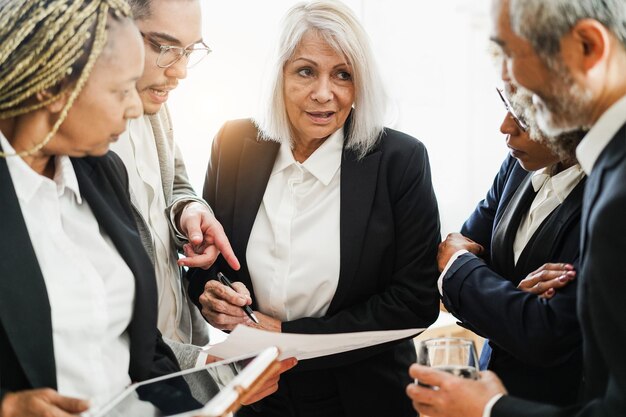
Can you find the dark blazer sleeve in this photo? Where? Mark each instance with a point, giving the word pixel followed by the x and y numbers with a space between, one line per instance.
pixel 509 406
pixel 407 296
pixel 537 331
pixel 601 308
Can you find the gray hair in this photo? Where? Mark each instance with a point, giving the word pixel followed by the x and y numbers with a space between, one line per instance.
pixel 339 27
pixel 544 22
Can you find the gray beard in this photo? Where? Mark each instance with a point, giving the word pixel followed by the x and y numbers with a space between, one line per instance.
pixel 559 134
pixel 568 107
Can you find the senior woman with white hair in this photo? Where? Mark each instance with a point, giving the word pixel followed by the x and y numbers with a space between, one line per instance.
pixel 333 217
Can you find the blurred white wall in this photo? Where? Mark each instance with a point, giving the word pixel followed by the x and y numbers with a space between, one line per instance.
pixel 435 62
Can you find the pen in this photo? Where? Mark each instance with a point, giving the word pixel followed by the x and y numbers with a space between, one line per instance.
pixel 246 308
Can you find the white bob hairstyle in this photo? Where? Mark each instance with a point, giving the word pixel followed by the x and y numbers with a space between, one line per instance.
pixel 339 27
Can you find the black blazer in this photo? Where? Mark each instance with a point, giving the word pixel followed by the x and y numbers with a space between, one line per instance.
pixel 602 284
pixel 389 228
pixel 537 343
pixel 26 347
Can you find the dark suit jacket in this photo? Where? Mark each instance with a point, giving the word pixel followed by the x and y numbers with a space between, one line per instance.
pixel 389 228
pixel 602 285
pixel 537 343
pixel 26 348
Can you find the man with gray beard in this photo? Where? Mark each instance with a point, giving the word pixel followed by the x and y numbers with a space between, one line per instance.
pixel 572 55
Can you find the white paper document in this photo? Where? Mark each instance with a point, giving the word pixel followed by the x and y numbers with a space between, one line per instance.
pixel 244 340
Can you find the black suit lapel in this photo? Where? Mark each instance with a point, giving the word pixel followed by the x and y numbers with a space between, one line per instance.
pixel 255 167
pixel 609 157
pixel 591 193
pixel 24 304
pixel 502 256
pixel 110 204
pixel 358 187
pixel 549 235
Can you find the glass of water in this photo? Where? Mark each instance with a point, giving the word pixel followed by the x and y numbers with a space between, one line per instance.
pixel 450 354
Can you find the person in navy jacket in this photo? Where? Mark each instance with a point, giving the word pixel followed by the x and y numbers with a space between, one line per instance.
pixel 530 217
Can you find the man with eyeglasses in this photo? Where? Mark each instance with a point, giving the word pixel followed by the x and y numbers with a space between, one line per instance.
pixel 170 216
pixel 497 273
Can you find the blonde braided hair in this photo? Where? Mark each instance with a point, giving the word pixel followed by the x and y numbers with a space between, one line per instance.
pixel 42 42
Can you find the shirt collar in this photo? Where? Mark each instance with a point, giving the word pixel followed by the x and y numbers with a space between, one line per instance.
pixel 139 128
pixel 29 181
pixel 539 178
pixel 65 177
pixel 601 134
pixel 562 183
pixel 322 164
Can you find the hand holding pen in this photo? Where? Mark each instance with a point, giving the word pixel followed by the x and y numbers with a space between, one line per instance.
pixel 246 308
pixel 222 305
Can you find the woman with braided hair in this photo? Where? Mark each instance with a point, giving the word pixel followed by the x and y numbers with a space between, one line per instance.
pixel 77 290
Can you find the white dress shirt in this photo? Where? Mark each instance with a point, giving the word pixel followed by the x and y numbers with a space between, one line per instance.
pixel 294 250
pixel 137 149
pixel 90 288
pixel 601 134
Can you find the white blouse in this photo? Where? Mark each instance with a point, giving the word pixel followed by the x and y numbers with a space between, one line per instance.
pixel 90 288
pixel 294 250
pixel 551 192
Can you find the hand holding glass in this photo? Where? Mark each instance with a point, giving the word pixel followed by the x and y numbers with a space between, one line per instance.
pixel 453 355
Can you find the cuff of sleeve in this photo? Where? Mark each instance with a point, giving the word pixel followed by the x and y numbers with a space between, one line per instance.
pixel 453 258
pixel 176 208
pixel 202 357
pixel 490 404
pixel 3 393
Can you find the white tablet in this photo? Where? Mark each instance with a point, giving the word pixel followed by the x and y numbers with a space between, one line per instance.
pixel 224 383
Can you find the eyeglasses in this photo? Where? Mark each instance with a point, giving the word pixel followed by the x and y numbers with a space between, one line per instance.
pixel 169 55
pixel 519 122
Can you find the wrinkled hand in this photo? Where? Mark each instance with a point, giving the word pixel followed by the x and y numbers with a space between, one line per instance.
pixel 44 402
pixel 547 279
pixel 267 323
pixel 455 242
pixel 268 384
pixel 221 305
pixel 454 396
pixel 206 238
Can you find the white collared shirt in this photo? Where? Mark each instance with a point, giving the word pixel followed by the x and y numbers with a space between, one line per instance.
pixel 294 250
pixel 601 134
pixel 137 149
pixel 90 288
pixel 551 192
